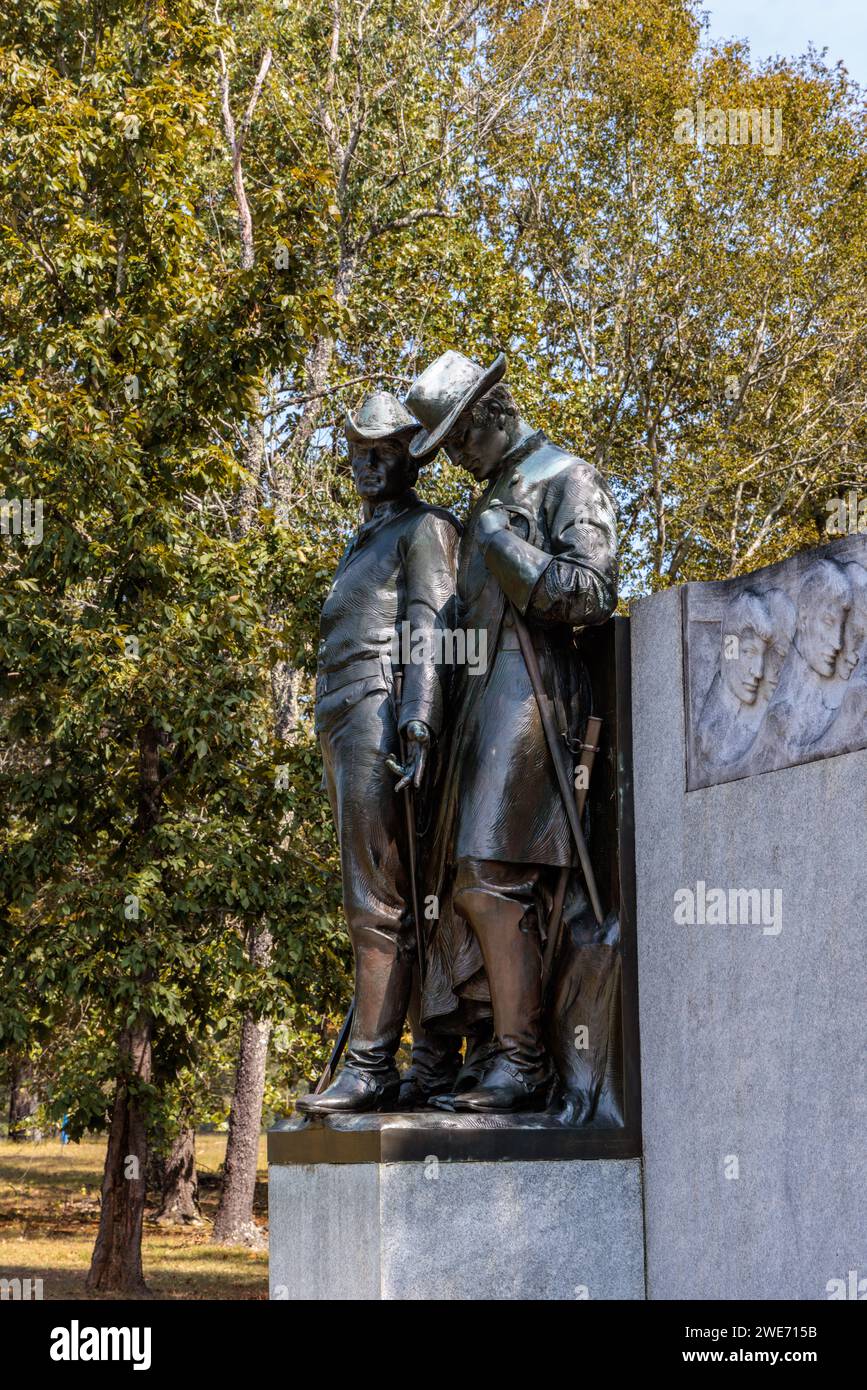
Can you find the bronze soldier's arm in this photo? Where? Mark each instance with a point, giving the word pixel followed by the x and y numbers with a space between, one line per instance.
pixel 430 566
pixel 576 583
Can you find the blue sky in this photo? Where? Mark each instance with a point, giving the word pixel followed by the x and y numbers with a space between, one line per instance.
pixel 788 26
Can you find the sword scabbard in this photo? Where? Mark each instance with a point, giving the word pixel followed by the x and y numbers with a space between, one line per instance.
pixel 589 749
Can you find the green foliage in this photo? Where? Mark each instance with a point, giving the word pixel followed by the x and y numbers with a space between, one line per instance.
pixel 132 349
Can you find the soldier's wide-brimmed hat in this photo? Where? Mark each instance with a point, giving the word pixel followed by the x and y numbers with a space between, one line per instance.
pixel 450 385
pixel 379 416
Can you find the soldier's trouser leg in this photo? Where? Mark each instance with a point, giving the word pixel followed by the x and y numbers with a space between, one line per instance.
pixel 479 1052
pixel 499 901
pixel 356 735
pixel 436 1058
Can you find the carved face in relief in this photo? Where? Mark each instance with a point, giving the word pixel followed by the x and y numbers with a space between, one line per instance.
pixel 855 631
pixel 783 618
pixel 853 638
pixel 743 672
pixel 774 663
pixel 823 606
pixel 746 636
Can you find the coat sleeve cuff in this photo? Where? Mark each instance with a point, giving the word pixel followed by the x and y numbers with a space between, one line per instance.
pixel 427 712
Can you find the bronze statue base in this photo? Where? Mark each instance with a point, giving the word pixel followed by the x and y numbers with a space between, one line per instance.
pixel 407 1138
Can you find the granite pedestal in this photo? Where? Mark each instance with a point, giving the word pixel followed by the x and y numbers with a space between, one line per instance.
pixel 351 1220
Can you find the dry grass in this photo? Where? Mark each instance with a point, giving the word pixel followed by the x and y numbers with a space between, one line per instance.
pixel 49 1209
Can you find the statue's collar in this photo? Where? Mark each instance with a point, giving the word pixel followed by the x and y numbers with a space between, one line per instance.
pixel 384 511
pixel 521 450
pixel 382 514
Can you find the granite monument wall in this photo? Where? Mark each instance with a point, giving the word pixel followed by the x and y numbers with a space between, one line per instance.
pixel 750 766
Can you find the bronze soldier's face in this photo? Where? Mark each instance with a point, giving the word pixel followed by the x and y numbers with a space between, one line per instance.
pixel 380 469
pixel 478 448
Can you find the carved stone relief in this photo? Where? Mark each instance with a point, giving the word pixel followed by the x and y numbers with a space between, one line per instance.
pixel 775 664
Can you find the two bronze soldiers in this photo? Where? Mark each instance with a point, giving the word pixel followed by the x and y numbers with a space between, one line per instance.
pixel 448 924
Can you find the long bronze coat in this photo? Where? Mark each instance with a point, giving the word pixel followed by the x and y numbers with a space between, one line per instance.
pixel 558 564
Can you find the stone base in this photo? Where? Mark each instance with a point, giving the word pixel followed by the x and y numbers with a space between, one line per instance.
pixel 433 1230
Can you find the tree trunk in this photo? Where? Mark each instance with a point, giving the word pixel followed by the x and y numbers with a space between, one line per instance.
pixel 116 1261
pixel 234 1224
pixel 116 1264
pixel 156 1173
pixel 180 1194
pixel 285 688
pixel 254 461
pixel 22 1100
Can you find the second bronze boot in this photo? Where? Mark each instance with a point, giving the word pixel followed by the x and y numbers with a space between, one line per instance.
pixel 518 1076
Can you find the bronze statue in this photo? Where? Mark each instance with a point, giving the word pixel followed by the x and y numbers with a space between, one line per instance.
pixel 398 570
pixel 504 842
pixel 537 559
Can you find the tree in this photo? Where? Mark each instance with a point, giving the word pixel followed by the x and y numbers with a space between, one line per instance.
pixel 135 648
pixel 22 1098
pixel 703 301
pixel 179 1196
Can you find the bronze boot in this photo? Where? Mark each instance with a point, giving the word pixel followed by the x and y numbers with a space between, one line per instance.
pixel 518 1076
pixel 432 1072
pixel 436 1060
pixel 369 1079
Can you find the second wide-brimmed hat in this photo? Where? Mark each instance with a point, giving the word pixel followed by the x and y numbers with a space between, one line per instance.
pixel 379 416
pixel 449 386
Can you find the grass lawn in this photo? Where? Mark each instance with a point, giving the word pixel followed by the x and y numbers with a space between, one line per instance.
pixel 49 1210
